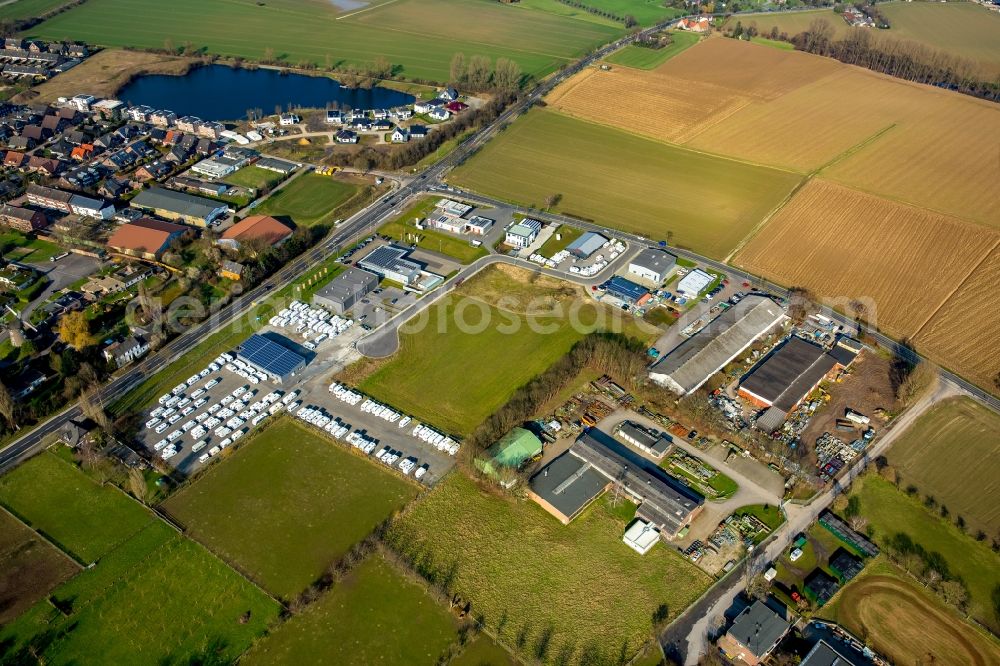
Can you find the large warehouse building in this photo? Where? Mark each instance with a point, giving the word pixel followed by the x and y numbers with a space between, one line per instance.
pixel 597 462
pixel 691 363
pixel 344 291
pixel 586 245
pixel 388 262
pixel 266 355
pixel 652 264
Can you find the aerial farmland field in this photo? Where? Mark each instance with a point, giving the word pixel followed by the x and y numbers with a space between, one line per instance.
pixel 905 622
pixel 574 590
pixel 415 35
pixel 374 615
pixel 952 451
pixel 309 199
pixel 643 58
pixel 850 245
pixel 946 336
pixel 307 498
pixel 635 184
pixel 156 598
pixel 29 568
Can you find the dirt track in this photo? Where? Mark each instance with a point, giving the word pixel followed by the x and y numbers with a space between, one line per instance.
pixel 904 626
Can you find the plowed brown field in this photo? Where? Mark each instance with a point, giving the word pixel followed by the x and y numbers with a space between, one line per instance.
pixel 965 333
pixel 845 245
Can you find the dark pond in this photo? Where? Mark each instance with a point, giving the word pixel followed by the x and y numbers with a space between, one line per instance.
pixel 218 92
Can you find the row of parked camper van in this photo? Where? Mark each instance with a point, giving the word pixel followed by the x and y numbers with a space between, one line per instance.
pixel 313 323
pixel 245 370
pixel 318 417
pixel 225 418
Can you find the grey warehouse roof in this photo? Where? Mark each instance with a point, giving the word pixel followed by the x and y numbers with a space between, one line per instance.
pixel 568 484
pixel 177 202
pixel 696 359
pixel 349 283
pixel 587 244
pixel 655 260
pixel 784 376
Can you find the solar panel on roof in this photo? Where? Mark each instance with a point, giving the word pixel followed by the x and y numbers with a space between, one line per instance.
pixel 270 356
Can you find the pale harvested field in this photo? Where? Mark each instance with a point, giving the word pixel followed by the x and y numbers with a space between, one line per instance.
pixel 946 157
pixel 917 144
pixel 964 335
pixel 106 72
pixel 688 94
pixel 844 245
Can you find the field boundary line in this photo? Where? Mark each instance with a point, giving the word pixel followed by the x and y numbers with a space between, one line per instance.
pixel 948 297
pixel 714 122
pixel 44 537
pixel 853 150
pixel 366 9
pixel 678 146
pixel 757 228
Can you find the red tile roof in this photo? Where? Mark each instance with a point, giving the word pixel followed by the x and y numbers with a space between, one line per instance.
pixel 258 226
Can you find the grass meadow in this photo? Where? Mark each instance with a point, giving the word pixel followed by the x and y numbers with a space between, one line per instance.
pixel 416 36
pixel 374 615
pixel 639 185
pixel 29 568
pixel 892 613
pixel 155 598
pixel 951 451
pixel 85 519
pixel 401 228
pixel 560 592
pixel 643 58
pixel 286 505
pixel 889 511
pixel 308 200
pixel 255 177
pixel 22 9
pixel 517 324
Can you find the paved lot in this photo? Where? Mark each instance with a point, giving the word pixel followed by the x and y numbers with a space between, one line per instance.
pixel 63 272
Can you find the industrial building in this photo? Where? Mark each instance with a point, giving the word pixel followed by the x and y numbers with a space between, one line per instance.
pixel 653 265
pixel 689 365
pixel 513 450
pixel 595 463
pixel 640 536
pixel 586 245
pixel 692 284
pixel 626 291
pixel 651 441
pixel 147 237
pixel 523 234
pixel 346 290
pixel 388 262
pixel 271 358
pixel 754 634
pixel 180 206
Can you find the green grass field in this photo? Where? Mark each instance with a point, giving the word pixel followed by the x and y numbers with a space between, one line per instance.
pixel 308 200
pixel 85 519
pixel 483 651
pixel 287 505
pixel 643 58
pixel 646 12
pixel 374 615
pixel 417 36
pixel 401 228
pixel 156 598
pixel 889 511
pixel 18 247
pixel 570 591
pixel 29 568
pixel 22 9
pixel 901 620
pixel 554 245
pixel 951 452
pixel 635 184
pixel 255 177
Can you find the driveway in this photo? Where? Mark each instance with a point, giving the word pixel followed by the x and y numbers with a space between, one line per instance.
pixel 62 273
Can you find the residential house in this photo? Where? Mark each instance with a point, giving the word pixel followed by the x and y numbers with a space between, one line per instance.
pixel 449 94
pixel 109 109
pixel 22 219
pixel 334 117
pixel 754 634
pixel 456 107
pixel 439 114
pixel 289 119
pixel 381 125
pixel 114 188
pixel 402 113
pixel 83 152
pixel 36 133
pixel 426 106
pixel 232 270
pixel 346 136
pixel 156 170
pixel 82 176
pixel 162 118
pixel 146 237
pixel 418 131
pixel 400 135
pixel 126 351
pixel 88 207
pixel 13 158
pixel 698 24
pixel 141 113
pixel 21 143
pixel 188 124
pixel 49 197
pixel 26 383
pixel 211 130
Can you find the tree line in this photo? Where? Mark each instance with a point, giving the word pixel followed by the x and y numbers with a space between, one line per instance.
pixel 627 19
pixel 480 74
pixel 902 59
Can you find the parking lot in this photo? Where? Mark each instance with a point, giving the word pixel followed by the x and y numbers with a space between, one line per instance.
pixel 207 413
pixel 356 414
